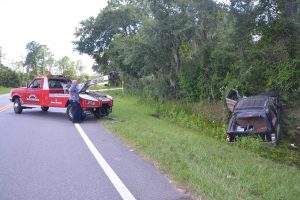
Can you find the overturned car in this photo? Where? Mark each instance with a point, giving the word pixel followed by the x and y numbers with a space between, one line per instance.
pixel 256 115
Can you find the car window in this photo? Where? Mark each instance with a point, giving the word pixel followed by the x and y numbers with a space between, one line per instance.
pixel 257 124
pixel 35 84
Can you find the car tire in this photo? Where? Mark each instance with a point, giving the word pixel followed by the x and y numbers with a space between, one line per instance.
pixel 44 108
pixel 17 106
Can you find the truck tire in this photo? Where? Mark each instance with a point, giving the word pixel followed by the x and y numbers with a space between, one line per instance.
pixel 17 106
pixel 70 115
pixel 83 116
pixel 69 112
pixel 97 113
pixel 101 112
pixel 44 108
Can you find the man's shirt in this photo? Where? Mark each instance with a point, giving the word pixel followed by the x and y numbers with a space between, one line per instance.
pixel 74 93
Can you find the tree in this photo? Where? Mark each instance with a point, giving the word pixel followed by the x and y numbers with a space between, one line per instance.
pixel 95 35
pixel 38 59
pixel 196 49
pixel 66 67
pixel 9 78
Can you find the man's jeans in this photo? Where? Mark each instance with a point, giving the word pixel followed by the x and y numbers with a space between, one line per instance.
pixel 76 111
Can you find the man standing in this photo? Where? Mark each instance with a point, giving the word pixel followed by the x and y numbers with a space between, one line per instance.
pixel 74 100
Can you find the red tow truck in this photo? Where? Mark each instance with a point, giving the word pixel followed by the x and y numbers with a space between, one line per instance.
pixel 53 91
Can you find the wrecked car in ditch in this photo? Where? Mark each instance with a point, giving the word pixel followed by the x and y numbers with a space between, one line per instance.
pixel 255 115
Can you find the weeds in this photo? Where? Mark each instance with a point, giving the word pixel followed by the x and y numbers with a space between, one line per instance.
pixel 183 115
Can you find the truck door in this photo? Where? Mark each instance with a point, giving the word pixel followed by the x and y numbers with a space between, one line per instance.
pixel 32 95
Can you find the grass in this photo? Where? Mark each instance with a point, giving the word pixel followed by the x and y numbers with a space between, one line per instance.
pixel 4 90
pixel 202 164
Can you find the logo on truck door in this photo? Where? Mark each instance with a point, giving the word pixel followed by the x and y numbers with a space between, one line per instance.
pixel 55 102
pixel 32 97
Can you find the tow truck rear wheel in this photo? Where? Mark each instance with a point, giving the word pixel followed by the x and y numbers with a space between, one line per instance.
pixel 70 115
pixel 69 112
pixel 44 108
pixel 17 106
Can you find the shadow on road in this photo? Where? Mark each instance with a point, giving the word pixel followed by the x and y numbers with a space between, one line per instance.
pixel 53 115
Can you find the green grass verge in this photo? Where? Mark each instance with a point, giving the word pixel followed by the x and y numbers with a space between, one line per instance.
pixel 4 90
pixel 202 164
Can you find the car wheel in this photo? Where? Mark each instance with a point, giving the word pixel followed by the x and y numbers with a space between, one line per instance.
pixel 69 112
pixel 17 106
pixel 44 108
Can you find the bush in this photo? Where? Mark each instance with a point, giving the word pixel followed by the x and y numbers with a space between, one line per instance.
pixel 9 78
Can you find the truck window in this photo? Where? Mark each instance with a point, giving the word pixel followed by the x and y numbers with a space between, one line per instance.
pixel 57 83
pixel 35 84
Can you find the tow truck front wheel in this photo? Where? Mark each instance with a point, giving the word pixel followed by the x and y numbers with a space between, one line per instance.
pixel 17 106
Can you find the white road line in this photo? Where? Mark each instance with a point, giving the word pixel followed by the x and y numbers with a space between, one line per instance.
pixel 113 177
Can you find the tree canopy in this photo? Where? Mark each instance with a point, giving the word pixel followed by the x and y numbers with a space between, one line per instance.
pixel 197 49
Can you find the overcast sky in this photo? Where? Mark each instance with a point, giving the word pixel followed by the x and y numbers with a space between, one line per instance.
pixel 48 22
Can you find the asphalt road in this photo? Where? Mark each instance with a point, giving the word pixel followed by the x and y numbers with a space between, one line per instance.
pixel 44 156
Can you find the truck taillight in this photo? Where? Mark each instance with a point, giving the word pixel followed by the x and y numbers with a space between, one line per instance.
pixel 89 102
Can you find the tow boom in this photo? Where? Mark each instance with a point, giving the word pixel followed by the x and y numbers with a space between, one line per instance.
pixel 83 86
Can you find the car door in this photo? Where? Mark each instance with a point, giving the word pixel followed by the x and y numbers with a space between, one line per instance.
pixel 275 120
pixel 231 99
pixel 32 95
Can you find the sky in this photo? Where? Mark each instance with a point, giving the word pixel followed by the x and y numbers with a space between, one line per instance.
pixel 48 22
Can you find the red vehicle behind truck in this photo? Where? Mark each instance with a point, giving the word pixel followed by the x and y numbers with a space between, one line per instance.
pixel 52 91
